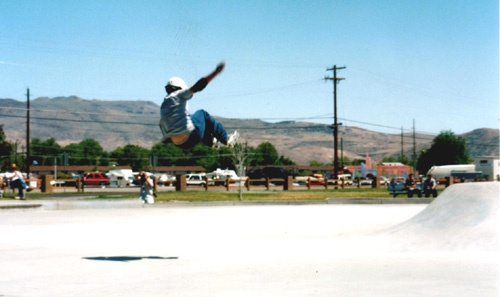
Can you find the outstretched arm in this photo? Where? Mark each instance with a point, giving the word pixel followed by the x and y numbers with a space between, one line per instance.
pixel 203 82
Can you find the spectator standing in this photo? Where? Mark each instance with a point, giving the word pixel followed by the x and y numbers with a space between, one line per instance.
pixel 147 194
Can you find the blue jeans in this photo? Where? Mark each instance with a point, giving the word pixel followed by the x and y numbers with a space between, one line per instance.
pixel 20 185
pixel 206 128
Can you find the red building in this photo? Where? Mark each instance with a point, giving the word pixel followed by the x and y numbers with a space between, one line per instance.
pixel 394 170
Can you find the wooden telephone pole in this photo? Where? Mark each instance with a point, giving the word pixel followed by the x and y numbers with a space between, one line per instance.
pixel 336 124
pixel 28 151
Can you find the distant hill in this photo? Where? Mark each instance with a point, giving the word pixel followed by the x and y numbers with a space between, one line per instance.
pixel 117 123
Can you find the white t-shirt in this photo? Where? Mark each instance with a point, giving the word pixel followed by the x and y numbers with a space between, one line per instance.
pixel 175 117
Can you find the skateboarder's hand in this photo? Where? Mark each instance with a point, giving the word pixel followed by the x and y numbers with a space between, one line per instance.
pixel 220 67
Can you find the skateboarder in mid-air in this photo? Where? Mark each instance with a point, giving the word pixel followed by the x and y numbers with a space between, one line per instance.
pixel 186 130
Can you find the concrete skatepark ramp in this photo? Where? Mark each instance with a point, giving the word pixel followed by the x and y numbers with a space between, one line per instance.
pixel 463 217
pixel 123 248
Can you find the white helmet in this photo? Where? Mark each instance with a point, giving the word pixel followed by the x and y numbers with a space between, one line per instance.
pixel 177 83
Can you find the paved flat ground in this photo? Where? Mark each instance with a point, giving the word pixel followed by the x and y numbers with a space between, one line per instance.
pixel 293 250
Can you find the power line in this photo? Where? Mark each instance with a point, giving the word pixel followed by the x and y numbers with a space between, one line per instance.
pixel 82 121
pixel 73 112
pixel 235 127
pixel 319 117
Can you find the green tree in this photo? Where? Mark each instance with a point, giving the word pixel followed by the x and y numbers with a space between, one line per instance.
pixel 266 154
pixel 92 153
pixel 285 161
pixel 446 149
pixel 168 155
pixel 133 155
pixel 6 149
pixel 390 159
pixel 46 152
pixel 205 156
pixel 405 160
pixel 315 163
pixel 252 156
pixel 356 161
pixel 75 153
pixel 227 158
pixel 343 160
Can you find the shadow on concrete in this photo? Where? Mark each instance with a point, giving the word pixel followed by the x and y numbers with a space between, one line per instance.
pixel 128 258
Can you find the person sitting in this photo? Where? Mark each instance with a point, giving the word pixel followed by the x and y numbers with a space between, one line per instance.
pixel 430 186
pixel 3 185
pixel 16 180
pixel 411 187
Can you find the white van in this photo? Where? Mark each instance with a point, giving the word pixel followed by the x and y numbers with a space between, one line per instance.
pixel 121 177
pixel 195 179
pixel 220 174
pixel 346 177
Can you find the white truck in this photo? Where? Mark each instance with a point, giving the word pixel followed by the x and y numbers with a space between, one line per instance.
pixel 220 174
pixel 489 166
pixel 483 167
pixel 121 177
pixel 442 171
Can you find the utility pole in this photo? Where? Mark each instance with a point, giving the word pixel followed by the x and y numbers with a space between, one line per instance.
pixel 335 125
pixel 28 151
pixel 341 152
pixel 414 157
pixel 414 143
pixel 402 142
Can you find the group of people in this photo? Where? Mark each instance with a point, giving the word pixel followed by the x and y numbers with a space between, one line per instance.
pixel 429 186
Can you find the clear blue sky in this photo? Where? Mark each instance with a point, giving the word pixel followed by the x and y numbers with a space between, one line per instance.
pixel 435 62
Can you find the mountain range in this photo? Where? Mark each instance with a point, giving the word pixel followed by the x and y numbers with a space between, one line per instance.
pixel 117 123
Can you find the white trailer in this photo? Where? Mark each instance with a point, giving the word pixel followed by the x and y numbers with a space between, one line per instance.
pixel 489 166
pixel 220 174
pixel 485 167
pixel 121 177
pixel 439 172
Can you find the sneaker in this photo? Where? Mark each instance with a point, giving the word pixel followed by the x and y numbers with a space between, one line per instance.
pixel 215 143
pixel 231 141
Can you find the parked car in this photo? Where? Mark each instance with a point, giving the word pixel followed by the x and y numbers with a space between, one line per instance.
pixel 57 183
pixel 346 178
pixel 195 179
pixel 121 177
pixel 95 179
pixel 384 180
pixel 76 175
pixel 165 179
pixel 316 180
pixel 364 181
